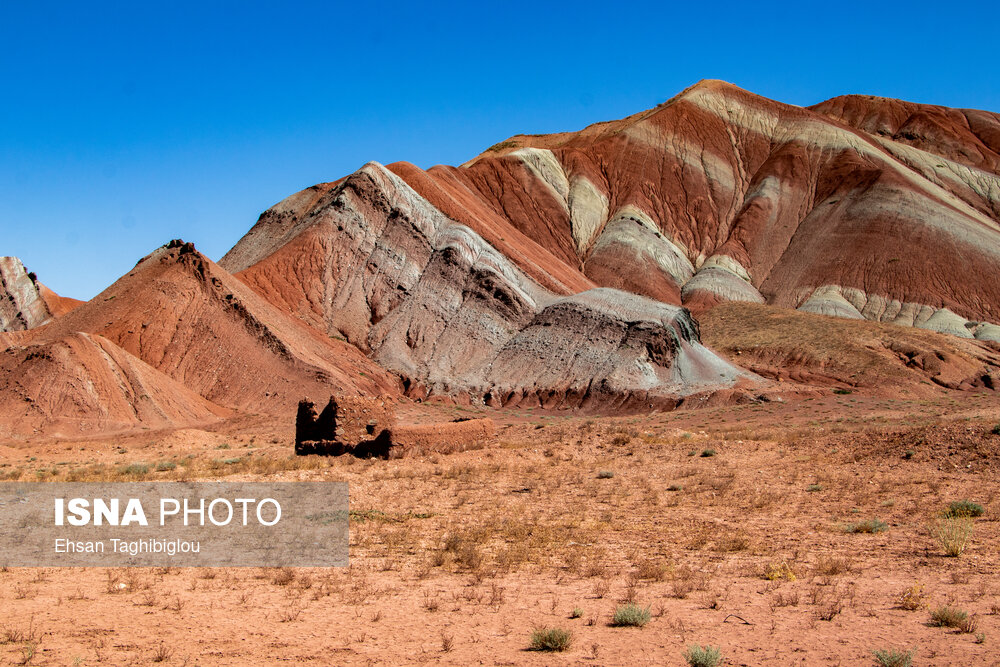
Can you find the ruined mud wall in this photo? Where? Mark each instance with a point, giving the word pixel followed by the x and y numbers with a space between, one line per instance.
pixel 442 438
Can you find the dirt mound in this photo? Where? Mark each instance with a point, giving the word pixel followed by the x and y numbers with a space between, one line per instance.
pixel 442 438
pixel 815 349
pixel 952 445
pixel 83 384
pixel 184 316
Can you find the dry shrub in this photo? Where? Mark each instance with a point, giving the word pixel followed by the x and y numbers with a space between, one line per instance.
pixel 949 617
pixel 834 565
pixel 779 571
pixel 953 534
pixel 283 576
pixel 551 639
pixel 652 569
pixel 913 598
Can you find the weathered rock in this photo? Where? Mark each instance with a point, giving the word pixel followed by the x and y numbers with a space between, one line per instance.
pixel 83 384
pixel 25 303
pixel 431 300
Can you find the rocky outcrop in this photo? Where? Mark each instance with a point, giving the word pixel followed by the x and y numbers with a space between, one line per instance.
pixel 431 300
pixel 25 303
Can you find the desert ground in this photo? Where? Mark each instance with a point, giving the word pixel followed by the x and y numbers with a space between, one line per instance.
pixel 732 525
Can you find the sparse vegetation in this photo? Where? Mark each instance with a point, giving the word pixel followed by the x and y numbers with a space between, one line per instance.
pixel 551 639
pixel 964 508
pixel 631 615
pixel 778 571
pixel 867 526
pixel 953 534
pixel 813 488
pixel 707 452
pixel 948 617
pixel 913 598
pixel 134 469
pixel 496 148
pixel 605 474
pixel 703 656
pixel 893 657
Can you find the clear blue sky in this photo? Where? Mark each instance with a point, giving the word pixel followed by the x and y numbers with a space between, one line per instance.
pixel 123 125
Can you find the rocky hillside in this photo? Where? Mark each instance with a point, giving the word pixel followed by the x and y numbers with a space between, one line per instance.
pixel 24 302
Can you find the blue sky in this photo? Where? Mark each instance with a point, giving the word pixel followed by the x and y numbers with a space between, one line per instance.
pixel 127 124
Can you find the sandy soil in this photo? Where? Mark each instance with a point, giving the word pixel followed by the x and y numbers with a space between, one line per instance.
pixel 455 559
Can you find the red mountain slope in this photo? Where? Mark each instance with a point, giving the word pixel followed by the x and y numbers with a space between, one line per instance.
pixel 187 318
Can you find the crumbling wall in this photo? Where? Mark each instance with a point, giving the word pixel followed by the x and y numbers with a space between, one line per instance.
pixel 360 418
pixel 442 437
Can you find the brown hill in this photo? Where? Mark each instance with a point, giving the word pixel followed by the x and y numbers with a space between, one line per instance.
pixel 884 358
pixel 184 316
pixel 84 384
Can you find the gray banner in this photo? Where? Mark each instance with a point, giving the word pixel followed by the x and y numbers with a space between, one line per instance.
pixel 294 524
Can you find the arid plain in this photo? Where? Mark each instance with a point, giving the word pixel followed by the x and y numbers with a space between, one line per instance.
pixel 729 523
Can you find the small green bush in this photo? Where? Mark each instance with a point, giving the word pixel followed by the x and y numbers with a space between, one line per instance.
pixel 894 658
pixel 551 639
pixel 813 488
pixel 576 613
pixel 164 466
pixel 948 617
pixel 631 615
pixel 134 469
pixel 703 656
pixel 605 474
pixel 995 430
pixel 867 526
pixel 708 452
pixel 963 508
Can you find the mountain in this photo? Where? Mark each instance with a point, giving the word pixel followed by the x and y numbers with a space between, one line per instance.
pixel 82 384
pixel 535 271
pixel 569 270
pixel 178 326
pixel 432 300
pixel 856 207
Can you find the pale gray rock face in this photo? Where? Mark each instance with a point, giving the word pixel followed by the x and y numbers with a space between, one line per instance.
pixel 428 298
pixel 829 300
pixel 722 283
pixel 986 331
pixel 21 306
pixel 644 245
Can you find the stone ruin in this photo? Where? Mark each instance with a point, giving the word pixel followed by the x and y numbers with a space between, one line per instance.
pixel 366 428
